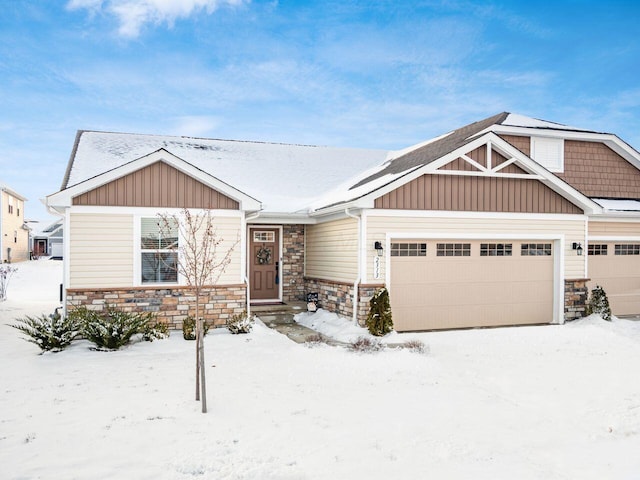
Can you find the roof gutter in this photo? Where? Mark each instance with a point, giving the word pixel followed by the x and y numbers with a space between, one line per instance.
pixel 356 284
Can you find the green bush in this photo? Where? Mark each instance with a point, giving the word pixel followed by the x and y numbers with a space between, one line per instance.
pixel 49 332
pixel 379 321
pixel 239 323
pixel 112 328
pixel 189 328
pixel 155 331
pixel 599 303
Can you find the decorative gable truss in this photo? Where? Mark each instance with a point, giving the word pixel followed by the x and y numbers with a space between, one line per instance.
pixel 485 175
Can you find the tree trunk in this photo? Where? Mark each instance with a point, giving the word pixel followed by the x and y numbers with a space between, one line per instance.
pixel 203 382
pixel 198 337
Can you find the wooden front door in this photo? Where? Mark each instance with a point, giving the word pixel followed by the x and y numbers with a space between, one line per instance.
pixel 264 264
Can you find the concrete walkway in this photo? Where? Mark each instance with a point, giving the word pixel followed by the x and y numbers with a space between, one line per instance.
pixel 280 318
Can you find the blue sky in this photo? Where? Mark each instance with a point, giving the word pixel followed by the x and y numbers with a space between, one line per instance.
pixel 377 74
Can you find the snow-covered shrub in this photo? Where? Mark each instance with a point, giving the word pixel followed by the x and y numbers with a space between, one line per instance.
pixel 6 271
pixel 366 345
pixel 189 328
pixel 599 303
pixel 379 320
pixel 49 332
pixel 155 331
pixel 314 340
pixel 416 346
pixel 239 323
pixel 112 328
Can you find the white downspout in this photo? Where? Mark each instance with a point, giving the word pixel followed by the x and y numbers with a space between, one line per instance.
pixel 356 284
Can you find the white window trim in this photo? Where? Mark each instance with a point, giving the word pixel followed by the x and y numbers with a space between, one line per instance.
pixel 137 256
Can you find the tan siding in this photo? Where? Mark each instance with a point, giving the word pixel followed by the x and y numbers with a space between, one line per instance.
pixel 597 171
pixel 379 226
pixel 13 235
pixel 101 250
pixel 476 194
pixel 157 185
pixel 103 256
pixel 332 250
pixel 614 229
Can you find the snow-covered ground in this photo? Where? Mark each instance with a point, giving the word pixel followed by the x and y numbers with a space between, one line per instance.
pixel 554 402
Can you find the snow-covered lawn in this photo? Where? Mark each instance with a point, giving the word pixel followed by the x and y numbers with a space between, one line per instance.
pixel 555 402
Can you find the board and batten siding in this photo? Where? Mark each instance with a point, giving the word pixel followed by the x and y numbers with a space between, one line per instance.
pixel 332 250
pixel 614 229
pixel 101 247
pixel 378 225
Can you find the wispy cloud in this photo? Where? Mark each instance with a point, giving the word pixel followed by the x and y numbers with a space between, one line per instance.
pixel 133 15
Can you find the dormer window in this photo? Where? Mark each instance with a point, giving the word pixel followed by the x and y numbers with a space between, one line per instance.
pixel 548 152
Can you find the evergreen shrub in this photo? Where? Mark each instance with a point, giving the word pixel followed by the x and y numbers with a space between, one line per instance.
pixel 379 321
pixel 239 323
pixel 189 328
pixel 599 303
pixel 111 329
pixel 49 332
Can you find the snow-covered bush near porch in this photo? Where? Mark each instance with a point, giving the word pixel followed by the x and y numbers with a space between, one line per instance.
pixel 599 303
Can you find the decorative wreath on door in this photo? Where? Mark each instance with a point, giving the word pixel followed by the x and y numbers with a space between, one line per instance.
pixel 263 256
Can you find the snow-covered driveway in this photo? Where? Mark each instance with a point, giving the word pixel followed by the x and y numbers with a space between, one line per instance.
pixel 555 402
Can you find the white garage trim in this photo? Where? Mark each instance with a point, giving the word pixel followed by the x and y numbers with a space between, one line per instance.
pixel 558 253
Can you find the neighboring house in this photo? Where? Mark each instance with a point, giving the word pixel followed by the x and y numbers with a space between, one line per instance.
pixel 49 241
pixel 500 222
pixel 14 233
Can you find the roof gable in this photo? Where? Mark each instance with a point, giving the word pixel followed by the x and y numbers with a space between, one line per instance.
pixel 157 185
pixel 108 185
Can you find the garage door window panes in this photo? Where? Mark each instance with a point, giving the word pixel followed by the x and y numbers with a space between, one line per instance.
pixel 535 249
pixel 627 249
pixel 495 249
pixel 408 249
pixel 597 249
pixel 453 250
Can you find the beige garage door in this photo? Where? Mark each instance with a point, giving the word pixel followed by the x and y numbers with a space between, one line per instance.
pixel 440 284
pixel 615 266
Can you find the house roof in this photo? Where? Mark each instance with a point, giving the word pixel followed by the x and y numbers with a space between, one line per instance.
pixel 6 188
pixel 284 177
pixel 288 178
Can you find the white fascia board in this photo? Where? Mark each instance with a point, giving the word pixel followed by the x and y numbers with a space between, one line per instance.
pixel 149 211
pixel 385 212
pixel 281 218
pixel 64 197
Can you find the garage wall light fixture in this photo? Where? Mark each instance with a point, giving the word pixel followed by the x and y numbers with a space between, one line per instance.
pixel 378 247
pixel 577 247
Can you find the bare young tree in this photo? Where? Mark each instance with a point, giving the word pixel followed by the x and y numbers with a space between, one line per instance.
pixel 200 260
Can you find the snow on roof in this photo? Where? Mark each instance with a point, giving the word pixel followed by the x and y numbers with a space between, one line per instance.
pixel 613 205
pixel 6 188
pixel 516 120
pixel 285 178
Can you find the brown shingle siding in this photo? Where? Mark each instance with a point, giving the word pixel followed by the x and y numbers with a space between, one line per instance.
pixel 597 171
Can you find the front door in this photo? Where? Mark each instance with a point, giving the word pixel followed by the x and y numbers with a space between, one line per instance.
pixel 264 264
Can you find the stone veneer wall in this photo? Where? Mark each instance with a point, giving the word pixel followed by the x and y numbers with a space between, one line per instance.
pixel 575 298
pixel 337 297
pixel 171 305
pixel 293 288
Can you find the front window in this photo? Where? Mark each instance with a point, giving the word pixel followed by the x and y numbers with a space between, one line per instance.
pixel 158 251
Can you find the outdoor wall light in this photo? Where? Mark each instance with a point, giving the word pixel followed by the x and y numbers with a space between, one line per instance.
pixel 378 247
pixel 577 247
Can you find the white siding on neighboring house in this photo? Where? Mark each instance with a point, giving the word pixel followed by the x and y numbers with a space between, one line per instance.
pixel 331 250
pixel 14 236
pixel 101 247
pixel 571 227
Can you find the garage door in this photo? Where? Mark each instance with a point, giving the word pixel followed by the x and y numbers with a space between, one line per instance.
pixel 441 284
pixel 615 266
